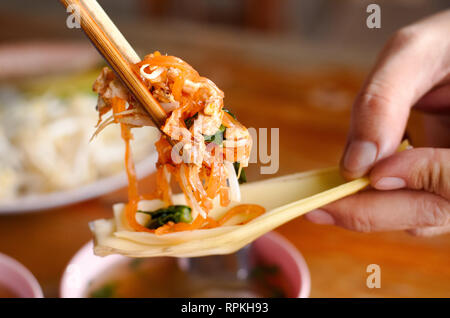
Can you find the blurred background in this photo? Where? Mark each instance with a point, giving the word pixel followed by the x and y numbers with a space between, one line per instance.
pixel 341 23
pixel 293 65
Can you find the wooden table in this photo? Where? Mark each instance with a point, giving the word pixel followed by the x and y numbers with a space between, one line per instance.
pixel 312 111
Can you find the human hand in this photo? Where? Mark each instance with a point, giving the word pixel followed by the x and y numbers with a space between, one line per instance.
pixel 410 190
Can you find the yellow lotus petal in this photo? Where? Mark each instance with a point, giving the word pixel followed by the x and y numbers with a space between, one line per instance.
pixel 284 198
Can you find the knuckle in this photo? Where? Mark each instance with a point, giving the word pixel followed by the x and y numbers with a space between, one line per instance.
pixel 441 172
pixel 405 36
pixel 433 212
pixel 375 97
pixel 429 173
pixel 361 222
pixel 434 176
pixel 411 36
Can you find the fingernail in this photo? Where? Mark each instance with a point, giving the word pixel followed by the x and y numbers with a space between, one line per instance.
pixel 360 156
pixel 320 217
pixel 390 183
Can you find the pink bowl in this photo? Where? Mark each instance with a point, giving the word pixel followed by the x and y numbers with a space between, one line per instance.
pixel 18 278
pixel 276 250
pixel 271 248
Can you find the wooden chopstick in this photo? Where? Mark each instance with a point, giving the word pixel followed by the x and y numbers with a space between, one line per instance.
pixel 119 54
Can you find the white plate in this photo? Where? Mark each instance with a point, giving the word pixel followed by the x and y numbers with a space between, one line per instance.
pixel 58 58
pixel 36 203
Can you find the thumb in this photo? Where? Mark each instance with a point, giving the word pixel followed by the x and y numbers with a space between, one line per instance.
pixel 405 71
pixel 418 169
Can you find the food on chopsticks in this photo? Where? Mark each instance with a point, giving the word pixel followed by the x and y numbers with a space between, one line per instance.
pixel 204 148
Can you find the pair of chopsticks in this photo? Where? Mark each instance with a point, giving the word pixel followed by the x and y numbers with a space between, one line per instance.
pixel 116 50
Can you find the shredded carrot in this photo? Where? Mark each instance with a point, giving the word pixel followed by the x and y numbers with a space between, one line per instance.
pixel 171 227
pixel 250 210
pixel 149 196
pixel 118 105
pixel 169 61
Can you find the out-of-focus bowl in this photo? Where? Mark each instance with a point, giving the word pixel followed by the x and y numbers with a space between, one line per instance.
pixel 40 202
pixel 271 248
pixel 275 249
pixel 18 279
